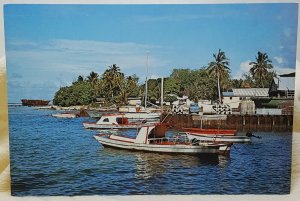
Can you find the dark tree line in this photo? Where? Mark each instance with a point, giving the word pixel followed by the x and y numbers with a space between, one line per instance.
pixel 203 83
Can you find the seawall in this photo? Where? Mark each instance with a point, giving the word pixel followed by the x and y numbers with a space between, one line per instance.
pixel 242 123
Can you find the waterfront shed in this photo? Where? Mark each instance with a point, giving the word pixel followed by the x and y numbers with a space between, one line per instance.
pixel 283 86
pixel 234 97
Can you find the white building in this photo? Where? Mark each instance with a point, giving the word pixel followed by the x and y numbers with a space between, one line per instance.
pixel 233 98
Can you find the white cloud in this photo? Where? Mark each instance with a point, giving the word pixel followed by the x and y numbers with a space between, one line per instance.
pixel 283 70
pixel 59 62
pixel 244 68
pixel 279 59
pixel 83 56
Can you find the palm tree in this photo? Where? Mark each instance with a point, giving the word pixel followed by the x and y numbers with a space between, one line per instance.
pixel 260 67
pixel 128 86
pixel 80 78
pixel 92 78
pixel 220 68
pixel 112 78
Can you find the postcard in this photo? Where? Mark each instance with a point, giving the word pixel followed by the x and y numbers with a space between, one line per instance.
pixel 150 99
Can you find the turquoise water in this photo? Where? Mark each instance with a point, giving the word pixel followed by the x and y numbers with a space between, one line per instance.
pixel 51 156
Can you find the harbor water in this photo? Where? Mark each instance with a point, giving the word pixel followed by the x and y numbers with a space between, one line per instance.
pixel 51 156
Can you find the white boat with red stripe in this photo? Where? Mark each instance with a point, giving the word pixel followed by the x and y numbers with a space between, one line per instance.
pixel 113 121
pixel 151 138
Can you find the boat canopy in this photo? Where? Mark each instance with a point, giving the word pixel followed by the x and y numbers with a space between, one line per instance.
pixel 151 131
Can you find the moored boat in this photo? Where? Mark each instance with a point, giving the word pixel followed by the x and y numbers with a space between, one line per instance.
pixel 65 115
pixel 203 131
pixel 151 138
pixel 94 113
pixel 218 138
pixel 142 115
pixel 97 113
pixel 112 121
pixel 30 102
pixel 138 113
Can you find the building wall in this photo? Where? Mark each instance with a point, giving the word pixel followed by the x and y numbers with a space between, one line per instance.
pixel 233 102
pixel 134 102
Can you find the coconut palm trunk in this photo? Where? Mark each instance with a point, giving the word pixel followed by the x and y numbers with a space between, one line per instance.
pixel 219 68
pixel 219 89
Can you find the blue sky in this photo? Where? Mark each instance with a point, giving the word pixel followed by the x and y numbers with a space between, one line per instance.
pixel 48 46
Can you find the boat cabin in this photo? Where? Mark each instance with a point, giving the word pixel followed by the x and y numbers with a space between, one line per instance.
pixel 113 119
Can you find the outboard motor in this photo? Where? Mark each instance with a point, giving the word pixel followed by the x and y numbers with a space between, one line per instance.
pixel 195 141
pixel 249 134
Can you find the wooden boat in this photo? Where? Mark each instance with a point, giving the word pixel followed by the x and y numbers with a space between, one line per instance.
pixel 100 111
pixel 94 114
pixel 151 138
pixel 142 115
pixel 139 113
pixel 112 121
pixel 218 138
pixel 203 131
pixel 65 115
pixel 29 102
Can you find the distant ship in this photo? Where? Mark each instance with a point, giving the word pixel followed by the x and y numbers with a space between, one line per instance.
pixel 29 102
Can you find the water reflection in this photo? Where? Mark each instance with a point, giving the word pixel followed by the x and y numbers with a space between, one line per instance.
pixel 148 165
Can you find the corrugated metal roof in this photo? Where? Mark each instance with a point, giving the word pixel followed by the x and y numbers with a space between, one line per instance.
pixel 228 94
pixel 251 92
pixel 285 83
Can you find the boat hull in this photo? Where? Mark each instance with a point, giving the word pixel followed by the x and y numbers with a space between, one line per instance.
pixel 66 116
pixel 94 114
pixel 89 125
pixel 219 138
pixel 175 148
pixel 142 115
pixel 29 102
pixel 202 131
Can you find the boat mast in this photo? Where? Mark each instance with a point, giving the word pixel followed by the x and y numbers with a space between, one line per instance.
pixel 146 84
pixel 162 94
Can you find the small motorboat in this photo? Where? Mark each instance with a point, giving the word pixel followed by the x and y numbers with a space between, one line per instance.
pixel 113 121
pixel 152 138
pixel 218 138
pixel 65 115
pixel 203 131
pixel 94 114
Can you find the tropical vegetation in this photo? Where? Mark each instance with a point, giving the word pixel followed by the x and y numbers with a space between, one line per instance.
pixel 219 68
pixel 261 68
pixel 207 82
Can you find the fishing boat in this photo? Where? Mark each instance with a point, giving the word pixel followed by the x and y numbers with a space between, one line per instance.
pixel 203 131
pixel 139 112
pixel 218 138
pixel 112 121
pixel 100 111
pixel 142 115
pixel 65 115
pixel 94 113
pixel 152 138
